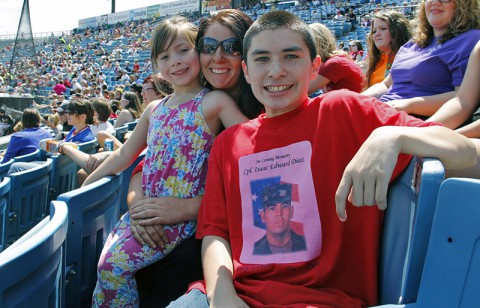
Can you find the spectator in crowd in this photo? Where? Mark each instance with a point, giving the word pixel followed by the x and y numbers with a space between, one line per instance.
pixel 80 116
pixel 7 121
pixel 27 140
pixel 325 173
pixel 66 127
pixel 429 68
pixel 352 18
pixel 131 109
pixel 355 48
pixel 59 87
pixel 338 70
pixel 389 31
pixel 53 122
pixel 101 115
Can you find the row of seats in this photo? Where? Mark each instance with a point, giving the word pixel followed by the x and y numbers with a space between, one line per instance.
pixel 428 218
pixel 67 276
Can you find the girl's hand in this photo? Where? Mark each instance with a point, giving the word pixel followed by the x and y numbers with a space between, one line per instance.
pixel 153 236
pixel 154 211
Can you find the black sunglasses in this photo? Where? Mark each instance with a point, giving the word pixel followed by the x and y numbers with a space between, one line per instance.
pixel 208 46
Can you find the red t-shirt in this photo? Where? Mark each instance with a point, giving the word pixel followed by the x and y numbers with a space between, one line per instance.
pixel 309 148
pixel 343 73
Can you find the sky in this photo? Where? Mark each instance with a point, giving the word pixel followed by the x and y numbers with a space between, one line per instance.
pixel 60 15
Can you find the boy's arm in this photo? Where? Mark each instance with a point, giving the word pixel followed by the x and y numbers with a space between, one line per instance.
pixel 366 178
pixel 218 273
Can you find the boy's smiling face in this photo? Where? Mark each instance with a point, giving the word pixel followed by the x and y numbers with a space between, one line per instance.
pixel 279 69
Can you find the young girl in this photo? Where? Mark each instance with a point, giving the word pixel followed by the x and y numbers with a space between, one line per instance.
pixel 178 132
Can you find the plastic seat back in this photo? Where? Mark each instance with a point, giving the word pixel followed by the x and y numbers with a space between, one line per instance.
pixel 5 167
pixel 451 277
pixel 132 125
pixel 28 157
pixel 33 272
pixel 89 147
pixel 4 197
pixel 408 219
pixel 93 212
pixel 64 175
pixel 120 133
pixel 28 205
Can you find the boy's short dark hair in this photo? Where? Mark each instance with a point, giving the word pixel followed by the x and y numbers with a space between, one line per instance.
pixel 276 20
pixel 102 107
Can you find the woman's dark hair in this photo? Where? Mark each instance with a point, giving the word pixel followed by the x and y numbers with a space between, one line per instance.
pixel 102 108
pixel 115 105
pixel 238 22
pixel 31 118
pixel 134 105
pixel 82 106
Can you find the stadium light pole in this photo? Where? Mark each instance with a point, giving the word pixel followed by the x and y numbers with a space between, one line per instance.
pixel 113 6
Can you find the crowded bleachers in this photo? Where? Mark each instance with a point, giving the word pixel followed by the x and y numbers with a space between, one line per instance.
pixel 107 62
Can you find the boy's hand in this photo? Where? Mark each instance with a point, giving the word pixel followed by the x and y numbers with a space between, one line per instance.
pixel 366 178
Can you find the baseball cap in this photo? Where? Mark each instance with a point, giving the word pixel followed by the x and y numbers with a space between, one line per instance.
pixel 62 108
pixel 277 193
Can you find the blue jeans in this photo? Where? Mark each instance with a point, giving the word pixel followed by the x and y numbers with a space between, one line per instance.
pixel 194 298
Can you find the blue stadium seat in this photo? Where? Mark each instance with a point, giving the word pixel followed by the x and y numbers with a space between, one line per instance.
pixel 5 167
pixel 93 212
pixel 131 125
pixel 89 147
pixel 33 272
pixel 451 274
pixel 27 204
pixel 28 157
pixel 120 133
pixel 410 207
pixel 64 175
pixel 4 197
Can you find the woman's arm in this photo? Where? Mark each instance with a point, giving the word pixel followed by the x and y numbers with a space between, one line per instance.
pixel 377 90
pixel 422 105
pixel 458 109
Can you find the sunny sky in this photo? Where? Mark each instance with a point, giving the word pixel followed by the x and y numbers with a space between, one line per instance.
pixel 58 15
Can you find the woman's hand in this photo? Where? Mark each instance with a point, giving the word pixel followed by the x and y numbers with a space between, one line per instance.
pixel 153 236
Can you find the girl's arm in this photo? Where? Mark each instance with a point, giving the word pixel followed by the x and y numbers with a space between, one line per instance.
pixel 126 154
pixel 317 83
pixel 219 109
pixel 457 110
pixel 380 88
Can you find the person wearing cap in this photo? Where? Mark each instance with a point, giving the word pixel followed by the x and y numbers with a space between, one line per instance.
pixel 276 214
pixel 7 120
pixel 64 119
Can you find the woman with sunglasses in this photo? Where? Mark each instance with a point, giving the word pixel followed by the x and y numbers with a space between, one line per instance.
pixel 80 116
pixel 219 43
pixel 355 50
pixel 428 69
pixel 131 109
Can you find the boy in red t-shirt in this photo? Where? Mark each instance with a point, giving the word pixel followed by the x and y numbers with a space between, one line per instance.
pixel 301 161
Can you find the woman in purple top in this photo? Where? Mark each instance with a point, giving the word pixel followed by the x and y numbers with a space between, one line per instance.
pixel 428 70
